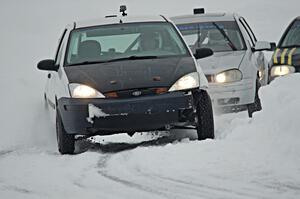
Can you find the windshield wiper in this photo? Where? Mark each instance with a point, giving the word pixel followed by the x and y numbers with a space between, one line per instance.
pixel 225 36
pixel 133 57
pixel 291 46
pixel 86 63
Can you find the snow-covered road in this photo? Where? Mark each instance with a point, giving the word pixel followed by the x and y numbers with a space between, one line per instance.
pixel 250 158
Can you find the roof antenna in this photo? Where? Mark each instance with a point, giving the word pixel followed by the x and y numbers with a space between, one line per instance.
pixel 123 10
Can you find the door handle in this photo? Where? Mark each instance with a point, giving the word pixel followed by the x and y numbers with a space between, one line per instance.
pixel 49 75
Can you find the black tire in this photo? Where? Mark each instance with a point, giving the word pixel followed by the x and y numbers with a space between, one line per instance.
pixel 205 118
pixel 256 106
pixel 65 142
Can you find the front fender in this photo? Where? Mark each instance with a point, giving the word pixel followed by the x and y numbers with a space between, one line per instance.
pixel 203 79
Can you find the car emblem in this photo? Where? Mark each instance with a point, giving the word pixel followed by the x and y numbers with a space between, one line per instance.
pixel 136 93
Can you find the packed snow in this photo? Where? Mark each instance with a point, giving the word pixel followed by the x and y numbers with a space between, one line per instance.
pixel 250 158
pixel 96 112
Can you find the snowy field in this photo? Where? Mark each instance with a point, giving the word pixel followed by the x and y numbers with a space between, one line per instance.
pixel 250 158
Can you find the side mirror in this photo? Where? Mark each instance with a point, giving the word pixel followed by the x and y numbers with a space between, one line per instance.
pixel 47 64
pixel 273 46
pixel 264 45
pixel 203 52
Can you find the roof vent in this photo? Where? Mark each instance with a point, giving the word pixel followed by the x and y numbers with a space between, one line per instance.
pixel 198 11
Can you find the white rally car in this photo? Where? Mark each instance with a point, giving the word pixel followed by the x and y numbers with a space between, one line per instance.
pixel 238 67
pixel 125 75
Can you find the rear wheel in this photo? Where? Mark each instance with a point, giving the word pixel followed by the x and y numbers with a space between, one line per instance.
pixel 256 106
pixel 65 142
pixel 204 116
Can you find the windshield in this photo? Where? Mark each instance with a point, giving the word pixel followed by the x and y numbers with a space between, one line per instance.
pixel 121 41
pixel 292 38
pixel 219 36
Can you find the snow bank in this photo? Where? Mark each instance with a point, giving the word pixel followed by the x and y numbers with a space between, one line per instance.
pixel 261 154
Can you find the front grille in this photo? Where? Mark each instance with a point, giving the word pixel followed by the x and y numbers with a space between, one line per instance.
pixel 136 92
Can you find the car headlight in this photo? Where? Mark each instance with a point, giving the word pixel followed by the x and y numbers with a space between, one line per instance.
pixel 84 91
pixel 188 81
pixel 229 76
pixel 261 73
pixel 282 70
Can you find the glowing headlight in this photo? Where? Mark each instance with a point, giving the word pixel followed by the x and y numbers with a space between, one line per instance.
pixel 282 70
pixel 261 74
pixel 188 81
pixel 84 91
pixel 229 76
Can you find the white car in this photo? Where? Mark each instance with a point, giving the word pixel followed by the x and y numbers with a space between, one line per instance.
pixel 238 67
pixel 125 75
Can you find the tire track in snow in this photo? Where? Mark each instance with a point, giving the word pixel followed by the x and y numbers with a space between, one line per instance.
pixel 16 189
pixel 167 187
pixel 5 152
pixel 282 187
pixel 4 186
pixel 102 166
pixel 211 190
pixel 197 189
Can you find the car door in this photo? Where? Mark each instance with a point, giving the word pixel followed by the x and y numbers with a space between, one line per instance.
pixel 52 75
pixel 260 60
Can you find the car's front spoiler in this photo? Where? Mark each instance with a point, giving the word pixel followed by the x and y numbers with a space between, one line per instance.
pixel 125 115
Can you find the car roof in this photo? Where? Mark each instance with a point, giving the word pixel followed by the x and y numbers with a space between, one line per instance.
pixel 208 17
pixel 119 19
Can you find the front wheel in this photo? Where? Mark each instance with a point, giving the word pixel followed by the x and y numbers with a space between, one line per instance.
pixel 204 116
pixel 65 142
pixel 256 106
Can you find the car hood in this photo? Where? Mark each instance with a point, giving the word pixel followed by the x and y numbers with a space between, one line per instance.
pixel 221 61
pixel 291 57
pixel 131 74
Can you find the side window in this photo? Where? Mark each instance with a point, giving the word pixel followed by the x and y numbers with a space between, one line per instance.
pixel 60 48
pixel 249 31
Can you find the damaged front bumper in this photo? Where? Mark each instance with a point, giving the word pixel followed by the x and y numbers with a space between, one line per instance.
pixel 110 116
